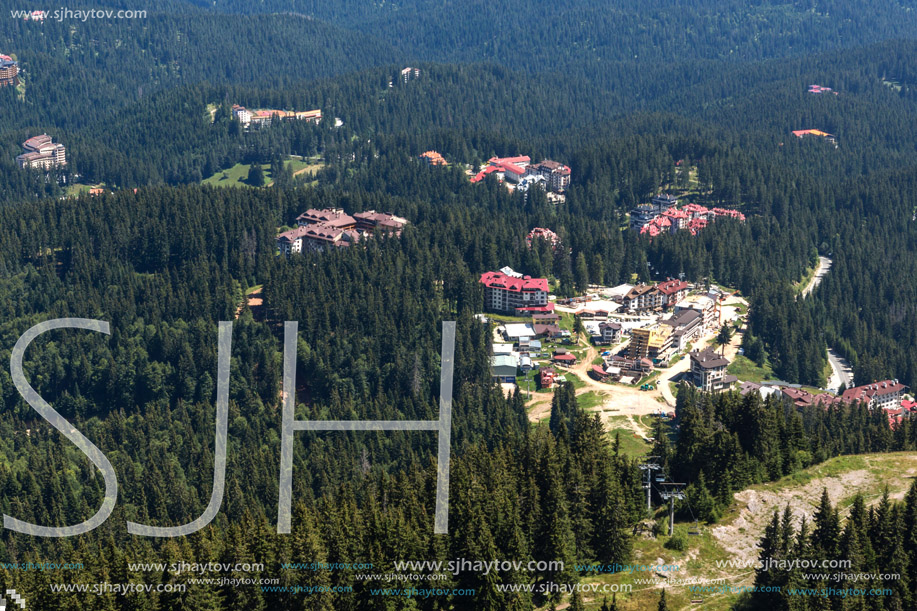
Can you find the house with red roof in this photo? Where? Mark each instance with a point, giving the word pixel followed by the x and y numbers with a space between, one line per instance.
pixel 546 377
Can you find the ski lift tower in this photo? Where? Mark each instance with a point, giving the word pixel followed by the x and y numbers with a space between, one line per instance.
pixel 650 464
pixel 671 491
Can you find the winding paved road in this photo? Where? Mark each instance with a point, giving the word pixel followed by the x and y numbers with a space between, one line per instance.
pixel 824 264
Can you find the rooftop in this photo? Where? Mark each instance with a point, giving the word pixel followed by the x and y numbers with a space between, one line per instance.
pixel 502 281
pixel 708 359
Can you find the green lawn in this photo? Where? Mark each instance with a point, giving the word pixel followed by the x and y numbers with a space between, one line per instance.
pixel 235 176
pixel 238 174
pixel 747 371
pixel 589 400
pixel 631 445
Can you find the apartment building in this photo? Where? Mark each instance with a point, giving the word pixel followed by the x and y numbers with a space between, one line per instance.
pixel 42 153
pixel 671 292
pixel 708 371
pixel 687 326
pixel 9 71
pixel 707 307
pixel 886 394
pixel 653 342
pixel 640 298
pixel 509 295
pixel 386 222
pixel 610 332
pixel 555 174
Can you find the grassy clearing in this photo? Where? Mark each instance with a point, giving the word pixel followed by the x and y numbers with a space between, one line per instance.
pixel 631 445
pixel 237 175
pixel 590 400
pixel 746 370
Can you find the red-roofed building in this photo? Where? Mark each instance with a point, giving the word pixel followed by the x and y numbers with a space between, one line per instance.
pixel 671 291
pixel 678 218
pixel 696 224
pixel 803 398
pixel 695 211
pixel 651 230
pixel 885 394
pixel 371 220
pixel 433 158
pixel 511 169
pixel 540 233
pixel 546 377
pixel 735 214
pixel 510 295
pixel 565 359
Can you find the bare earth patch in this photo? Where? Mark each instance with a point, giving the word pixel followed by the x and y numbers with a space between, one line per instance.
pixel 739 535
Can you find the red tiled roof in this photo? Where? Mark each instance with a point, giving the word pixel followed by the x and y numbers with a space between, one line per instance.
pixel 868 391
pixel 670 287
pixel 502 281
pixel 548 307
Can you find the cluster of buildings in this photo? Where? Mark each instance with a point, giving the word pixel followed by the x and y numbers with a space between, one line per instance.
pixel 42 153
pixel 818 89
pixel 551 175
pixel 619 368
pixel 662 216
pixel 802 133
pixel 524 344
pixel 887 395
pixel 433 158
pixel 264 117
pixel 9 71
pixel 540 233
pixel 318 230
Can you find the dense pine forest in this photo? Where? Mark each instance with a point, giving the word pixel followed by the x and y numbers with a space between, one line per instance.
pixel 637 99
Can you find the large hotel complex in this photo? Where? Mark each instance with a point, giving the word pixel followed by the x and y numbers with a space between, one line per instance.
pixel 318 230
pixel 42 153
pixel 264 117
